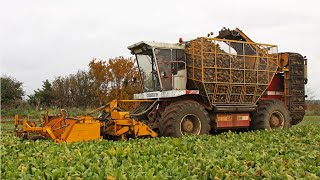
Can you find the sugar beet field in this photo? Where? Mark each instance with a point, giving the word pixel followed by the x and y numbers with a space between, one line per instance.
pixel 279 154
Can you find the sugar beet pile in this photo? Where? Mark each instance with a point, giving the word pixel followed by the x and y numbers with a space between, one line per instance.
pixel 239 74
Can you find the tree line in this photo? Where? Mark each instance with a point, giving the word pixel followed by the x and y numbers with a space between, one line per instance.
pixel 101 83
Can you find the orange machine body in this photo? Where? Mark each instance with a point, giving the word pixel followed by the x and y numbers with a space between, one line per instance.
pixel 84 128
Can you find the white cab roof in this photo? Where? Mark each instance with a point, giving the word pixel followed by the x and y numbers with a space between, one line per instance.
pixel 150 44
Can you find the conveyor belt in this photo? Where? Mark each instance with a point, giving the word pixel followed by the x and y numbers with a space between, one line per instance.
pixel 295 87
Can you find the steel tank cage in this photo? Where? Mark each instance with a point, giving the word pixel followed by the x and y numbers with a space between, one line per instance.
pixel 228 71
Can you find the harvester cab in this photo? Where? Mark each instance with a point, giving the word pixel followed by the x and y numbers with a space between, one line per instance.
pixel 162 69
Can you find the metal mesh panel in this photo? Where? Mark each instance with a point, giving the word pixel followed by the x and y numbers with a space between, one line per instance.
pixel 232 72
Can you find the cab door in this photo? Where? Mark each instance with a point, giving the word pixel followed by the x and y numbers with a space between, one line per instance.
pixel 172 68
pixel 164 60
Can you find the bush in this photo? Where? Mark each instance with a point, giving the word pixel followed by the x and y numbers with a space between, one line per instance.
pixel 11 91
pixel 313 109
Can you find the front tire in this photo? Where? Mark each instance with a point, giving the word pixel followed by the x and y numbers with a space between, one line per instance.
pixel 183 118
pixel 271 114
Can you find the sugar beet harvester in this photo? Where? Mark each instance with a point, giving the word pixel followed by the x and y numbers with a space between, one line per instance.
pixel 193 87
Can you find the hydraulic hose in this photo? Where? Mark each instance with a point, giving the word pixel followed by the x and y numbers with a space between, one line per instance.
pixel 145 111
pixel 98 109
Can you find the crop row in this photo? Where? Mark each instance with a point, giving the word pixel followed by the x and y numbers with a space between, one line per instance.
pixel 278 154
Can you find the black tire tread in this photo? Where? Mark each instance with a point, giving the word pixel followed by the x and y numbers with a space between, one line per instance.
pixel 260 118
pixel 169 119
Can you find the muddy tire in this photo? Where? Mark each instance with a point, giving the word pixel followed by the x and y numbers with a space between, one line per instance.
pixel 184 117
pixel 271 114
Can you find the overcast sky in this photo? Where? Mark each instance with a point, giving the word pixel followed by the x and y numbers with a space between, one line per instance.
pixel 43 39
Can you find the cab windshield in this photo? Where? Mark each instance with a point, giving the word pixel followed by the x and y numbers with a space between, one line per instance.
pixel 148 72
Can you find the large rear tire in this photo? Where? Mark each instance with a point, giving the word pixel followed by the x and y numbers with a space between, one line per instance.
pixel 271 114
pixel 183 118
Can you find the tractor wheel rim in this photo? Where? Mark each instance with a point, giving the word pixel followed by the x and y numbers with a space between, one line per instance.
pixel 190 124
pixel 276 120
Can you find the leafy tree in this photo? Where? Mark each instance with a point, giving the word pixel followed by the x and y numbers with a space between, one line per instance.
pixel 101 84
pixel 74 90
pixel 122 71
pixel 99 72
pixel 11 90
pixel 60 88
pixel 34 100
pixel 82 89
pixel 112 79
pixel 42 96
